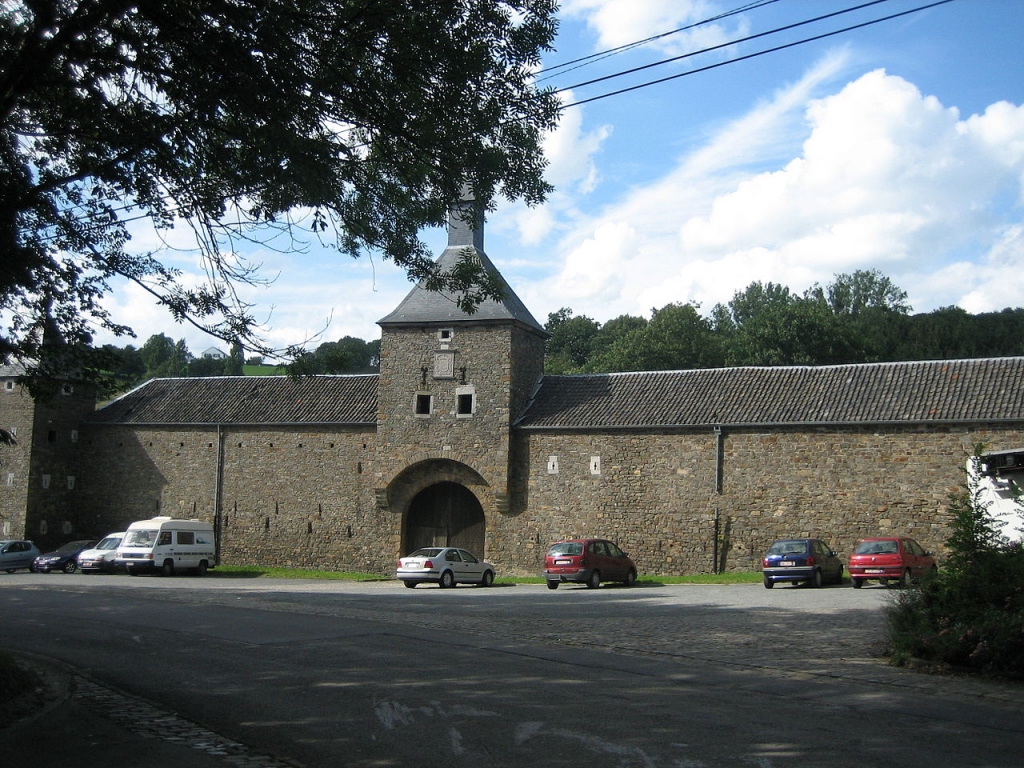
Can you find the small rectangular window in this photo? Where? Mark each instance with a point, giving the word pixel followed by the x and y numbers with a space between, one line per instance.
pixel 423 405
pixel 74 435
pixel 465 405
pixel 9 386
pixel 186 537
pixel 46 481
pixel 51 436
pixel 67 389
pixel 71 482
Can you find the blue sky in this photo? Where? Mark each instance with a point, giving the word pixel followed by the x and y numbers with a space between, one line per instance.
pixel 897 147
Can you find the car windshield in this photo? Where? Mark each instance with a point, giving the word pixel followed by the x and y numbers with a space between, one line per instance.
pixel 426 552
pixel 140 537
pixel 788 548
pixel 110 542
pixel 566 548
pixel 876 548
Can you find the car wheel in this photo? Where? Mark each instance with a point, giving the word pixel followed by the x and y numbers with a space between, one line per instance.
pixel 167 569
pixel 202 568
pixel 11 570
pixel 70 566
pixel 594 581
pixel 816 580
pixel 552 585
pixel 906 582
pixel 487 579
pixel 447 580
pixel 32 568
pixel 768 583
pixel 630 578
pixel 839 576
pixel 857 583
pixel 410 584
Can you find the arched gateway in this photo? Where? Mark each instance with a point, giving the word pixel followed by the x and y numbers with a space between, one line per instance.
pixel 445 514
pixel 439 503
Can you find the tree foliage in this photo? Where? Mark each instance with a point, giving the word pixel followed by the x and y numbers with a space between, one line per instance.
pixel 358 123
pixel 970 615
pixel 861 317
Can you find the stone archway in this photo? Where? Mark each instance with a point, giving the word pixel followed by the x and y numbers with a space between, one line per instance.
pixel 445 514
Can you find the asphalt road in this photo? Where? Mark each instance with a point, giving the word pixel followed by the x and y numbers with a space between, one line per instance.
pixel 342 674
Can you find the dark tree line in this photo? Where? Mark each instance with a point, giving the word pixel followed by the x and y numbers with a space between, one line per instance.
pixel 858 318
pixel 162 357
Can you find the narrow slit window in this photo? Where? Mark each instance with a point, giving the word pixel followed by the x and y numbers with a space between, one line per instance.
pixel 423 405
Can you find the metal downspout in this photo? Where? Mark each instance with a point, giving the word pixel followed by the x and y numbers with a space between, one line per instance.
pixel 716 563
pixel 218 495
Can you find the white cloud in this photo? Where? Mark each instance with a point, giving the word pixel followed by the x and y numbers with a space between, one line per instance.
pixel 885 178
pixel 621 22
pixel 572 171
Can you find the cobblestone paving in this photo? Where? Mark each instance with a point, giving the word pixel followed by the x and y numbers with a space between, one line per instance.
pixel 150 721
pixel 744 631
pixel 824 641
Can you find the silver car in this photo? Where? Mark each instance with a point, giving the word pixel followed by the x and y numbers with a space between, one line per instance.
pixel 15 554
pixel 445 566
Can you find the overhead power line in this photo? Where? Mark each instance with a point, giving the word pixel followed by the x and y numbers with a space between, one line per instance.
pixel 741 58
pixel 583 61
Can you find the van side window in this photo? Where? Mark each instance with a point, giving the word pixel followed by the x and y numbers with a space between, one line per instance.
pixel 186 537
pixel 165 538
pixel 200 539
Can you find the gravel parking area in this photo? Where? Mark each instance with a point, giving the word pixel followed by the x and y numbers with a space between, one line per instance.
pixel 828 632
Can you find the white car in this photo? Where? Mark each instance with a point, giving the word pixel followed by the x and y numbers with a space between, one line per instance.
pixel 101 557
pixel 445 566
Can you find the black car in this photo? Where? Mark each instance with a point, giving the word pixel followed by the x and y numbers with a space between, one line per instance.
pixel 797 560
pixel 64 558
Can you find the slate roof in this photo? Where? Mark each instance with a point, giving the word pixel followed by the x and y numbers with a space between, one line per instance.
pixel 985 390
pixel 931 392
pixel 266 400
pixel 424 306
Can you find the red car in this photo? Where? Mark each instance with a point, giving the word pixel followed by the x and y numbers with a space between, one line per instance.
pixel 587 561
pixel 897 559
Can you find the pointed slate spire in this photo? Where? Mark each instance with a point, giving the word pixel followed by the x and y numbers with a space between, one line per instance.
pixel 465 230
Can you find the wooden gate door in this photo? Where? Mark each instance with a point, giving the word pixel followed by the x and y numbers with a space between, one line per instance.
pixel 445 515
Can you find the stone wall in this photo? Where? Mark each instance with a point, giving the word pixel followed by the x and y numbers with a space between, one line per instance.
pixel 40 481
pixel 17 411
pixel 657 494
pixel 308 497
pixel 287 496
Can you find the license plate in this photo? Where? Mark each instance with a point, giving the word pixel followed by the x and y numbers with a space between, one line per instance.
pixel 786 563
pixel 563 562
pixel 873 570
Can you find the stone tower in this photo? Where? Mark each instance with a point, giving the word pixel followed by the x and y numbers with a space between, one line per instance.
pixel 451 385
pixel 40 482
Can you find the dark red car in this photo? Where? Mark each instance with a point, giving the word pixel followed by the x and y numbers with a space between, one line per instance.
pixel 587 561
pixel 889 559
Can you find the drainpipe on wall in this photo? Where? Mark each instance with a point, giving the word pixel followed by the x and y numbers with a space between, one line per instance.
pixel 717 564
pixel 218 493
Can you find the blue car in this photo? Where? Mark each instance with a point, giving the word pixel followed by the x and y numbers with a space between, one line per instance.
pixel 64 558
pixel 801 560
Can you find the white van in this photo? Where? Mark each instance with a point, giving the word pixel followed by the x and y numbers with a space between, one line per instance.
pixel 167 545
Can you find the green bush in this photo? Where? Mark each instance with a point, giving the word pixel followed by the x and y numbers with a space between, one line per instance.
pixel 970 615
